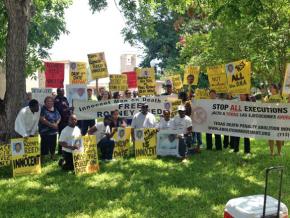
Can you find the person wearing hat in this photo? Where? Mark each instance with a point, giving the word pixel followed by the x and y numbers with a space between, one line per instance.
pixel 104 137
pixel 169 88
pixel 143 119
pixel 183 124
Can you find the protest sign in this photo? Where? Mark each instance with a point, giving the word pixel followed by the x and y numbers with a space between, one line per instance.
pixel 86 160
pixel 122 142
pixel 243 119
pixel 77 73
pixel 76 92
pixel 54 75
pixel 86 110
pixel 5 155
pixel 131 79
pixel 286 84
pixel 146 81
pixel 217 78
pixel 193 71
pixel 167 143
pixel 239 77
pixel 145 143
pixel 118 83
pixel 177 83
pixel 201 94
pixel 98 65
pixel 40 94
pixel 25 156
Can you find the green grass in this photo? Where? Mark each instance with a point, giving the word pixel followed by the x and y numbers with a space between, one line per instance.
pixel 144 188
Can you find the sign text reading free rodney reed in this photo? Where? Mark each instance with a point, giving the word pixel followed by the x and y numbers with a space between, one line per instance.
pixel 244 119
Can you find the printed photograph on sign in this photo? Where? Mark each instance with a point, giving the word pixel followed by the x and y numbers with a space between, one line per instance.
pixel 167 143
pixel 191 75
pixel 230 68
pixel 121 134
pixel 139 135
pixel 78 73
pixel 17 148
pixel 78 92
pixel 78 143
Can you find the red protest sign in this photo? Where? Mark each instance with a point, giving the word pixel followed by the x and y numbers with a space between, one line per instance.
pixel 131 79
pixel 54 74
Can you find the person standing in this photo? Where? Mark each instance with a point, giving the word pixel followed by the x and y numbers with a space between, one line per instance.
pixel 169 89
pixel 48 127
pixel 86 124
pixel 190 87
pixel 165 122
pixel 67 137
pixel 183 124
pixel 218 139
pixel 62 106
pixel 27 119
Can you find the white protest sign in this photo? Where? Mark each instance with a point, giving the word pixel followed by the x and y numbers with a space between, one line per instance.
pixel 40 94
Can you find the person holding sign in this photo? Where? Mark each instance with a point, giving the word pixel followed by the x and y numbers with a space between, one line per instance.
pixel 104 138
pixel 218 138
pixel 183 124
pixel 190 87
pixel 275 97
pixel 27 119
pixel 143 119
pixel 68 136
pixel 169 88
pixel 48 127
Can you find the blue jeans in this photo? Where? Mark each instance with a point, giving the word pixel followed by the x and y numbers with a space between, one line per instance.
pixel 184 143
pixel 197 137
pixel 107 148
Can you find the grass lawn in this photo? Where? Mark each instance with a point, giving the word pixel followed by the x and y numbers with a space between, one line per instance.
pixel 145 188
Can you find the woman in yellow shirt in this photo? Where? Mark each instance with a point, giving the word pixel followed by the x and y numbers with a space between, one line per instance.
pixel 275 97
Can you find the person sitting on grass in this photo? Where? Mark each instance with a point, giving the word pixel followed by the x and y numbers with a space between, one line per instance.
pixel 67 138
pixel 104 138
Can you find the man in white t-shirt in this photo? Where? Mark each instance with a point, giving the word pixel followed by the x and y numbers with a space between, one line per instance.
pixel 27 119
pixel 183 125
pixel 69 135
pixel 165 122
pixel 143 119
pixel 104 138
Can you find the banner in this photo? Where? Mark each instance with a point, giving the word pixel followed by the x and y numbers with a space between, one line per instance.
pixel 98 65
pixel 239 77
pixel 25 156
pixel 76 92
pixel 86 161
pixel 177 83
pixel 286 84
pixel 217 78
pixel 146 81
pixel 167 143
pixel 243 119
pixel 5 155
pixel 77 73
pixel 118 83
pixel 145 143
pixel 86 110
pixel 191 70
pixel 131 79
pixel 40 94
pixel 122 142
pixel 54 75
pixel 201 94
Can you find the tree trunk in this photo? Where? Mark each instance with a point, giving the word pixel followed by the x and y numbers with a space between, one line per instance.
pixel 18 22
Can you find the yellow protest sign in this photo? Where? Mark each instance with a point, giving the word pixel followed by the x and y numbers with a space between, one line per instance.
pixel 77 73
pixel 217 78
pixel 122 143
pixel 146 81
pixel 118 83
pixel 5 155
pixel 145 143
pixel 25 156
pixel 201 94
pixel 98 65
pixel 177 83
pixel 174 106
pixel 239 77
pixel 191 75
pixel 286 84
pixel 86 159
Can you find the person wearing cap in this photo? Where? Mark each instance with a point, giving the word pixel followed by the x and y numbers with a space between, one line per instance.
pixel 27 119
pixel 143 119
pixel 104 136
pixel 86 124
pixel 183 124
pixel 169 88
pixel 217 137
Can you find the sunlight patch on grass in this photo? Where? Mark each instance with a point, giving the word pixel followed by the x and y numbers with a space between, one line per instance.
pixel 175 192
